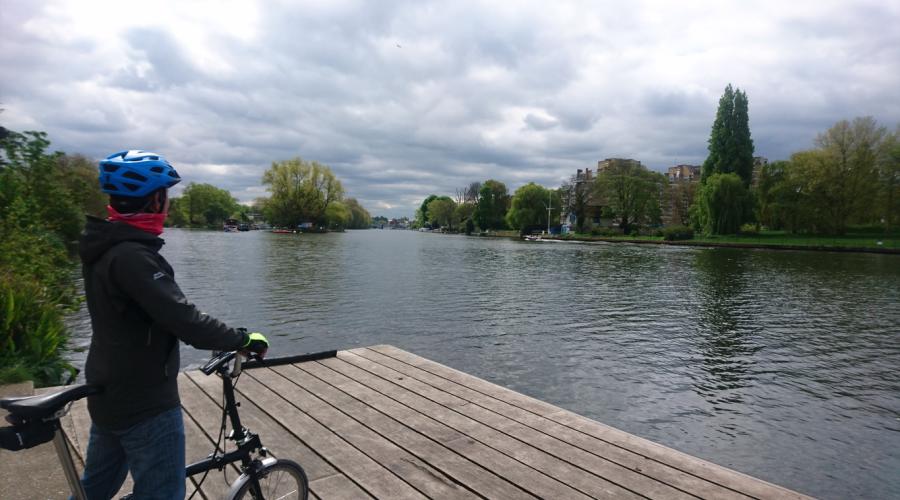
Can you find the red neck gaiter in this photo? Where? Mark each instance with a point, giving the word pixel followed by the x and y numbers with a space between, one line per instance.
pixel 151 223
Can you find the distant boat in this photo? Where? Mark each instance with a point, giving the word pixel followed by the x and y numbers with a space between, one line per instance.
pixel 282 231
pixel 230 226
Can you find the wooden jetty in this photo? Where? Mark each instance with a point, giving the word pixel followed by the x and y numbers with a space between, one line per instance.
pixel 380 422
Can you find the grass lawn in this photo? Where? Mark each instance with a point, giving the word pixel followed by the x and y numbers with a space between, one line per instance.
pixel 774 238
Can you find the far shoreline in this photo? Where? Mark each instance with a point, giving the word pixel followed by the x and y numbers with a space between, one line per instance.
pixel 726 244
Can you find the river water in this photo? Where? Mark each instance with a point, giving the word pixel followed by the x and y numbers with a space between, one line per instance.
pixel 784 365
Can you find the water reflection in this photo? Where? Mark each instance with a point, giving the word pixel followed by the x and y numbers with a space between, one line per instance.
pixel 724 335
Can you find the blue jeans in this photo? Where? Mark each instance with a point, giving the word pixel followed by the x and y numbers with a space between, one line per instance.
pixel 152 450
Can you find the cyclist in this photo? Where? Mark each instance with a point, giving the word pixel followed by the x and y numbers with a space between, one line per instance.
pixel 138 315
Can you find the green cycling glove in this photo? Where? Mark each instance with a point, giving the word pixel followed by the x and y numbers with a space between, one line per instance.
pixel 256 342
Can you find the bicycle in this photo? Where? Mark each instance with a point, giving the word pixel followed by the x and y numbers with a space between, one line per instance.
pixel 36 420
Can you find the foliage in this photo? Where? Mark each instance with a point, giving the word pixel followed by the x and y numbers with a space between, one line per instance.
pixel 359 216
pixel 42 197
pixel 337 216
pixel 528 208
pixel 778 197
pixel 441 212
pixel 604 231
pixel 32 332
pixel 301 192
pixel 422 217
pixel 839 183
pixel 203 205
pixel 575 195
pixel 681 197
pixel 889 178
pixel 630 193
pixel 470 226
pixel 464 212
pixel 723 204
pixel 493 202
pixel 730 144
pixel 677 233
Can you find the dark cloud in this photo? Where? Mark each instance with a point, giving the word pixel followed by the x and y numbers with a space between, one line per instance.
pixel 475 90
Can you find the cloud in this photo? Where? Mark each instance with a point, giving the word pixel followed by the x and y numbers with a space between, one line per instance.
pixel 476 90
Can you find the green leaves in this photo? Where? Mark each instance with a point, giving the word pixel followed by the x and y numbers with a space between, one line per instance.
pixel 203 205
pixel 301 192
pixel 730 144
pixel 630 193
pixel 528 208
pixel 723 204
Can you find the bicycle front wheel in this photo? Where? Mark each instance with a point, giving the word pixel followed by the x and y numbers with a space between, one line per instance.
pixel 278 480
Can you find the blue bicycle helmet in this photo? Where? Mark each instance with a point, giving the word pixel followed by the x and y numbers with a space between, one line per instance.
pixel 136 174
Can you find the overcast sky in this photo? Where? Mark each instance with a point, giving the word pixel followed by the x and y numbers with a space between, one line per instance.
pixel 404 99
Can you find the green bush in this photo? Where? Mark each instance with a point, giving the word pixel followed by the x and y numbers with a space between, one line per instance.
pixel 604 231
pixel 676 233
pixel 32 332
pixel 750 229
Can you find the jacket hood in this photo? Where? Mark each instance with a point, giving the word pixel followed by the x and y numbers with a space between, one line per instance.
pixel 100 235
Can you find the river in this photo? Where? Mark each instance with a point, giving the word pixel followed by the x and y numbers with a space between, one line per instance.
pixel 784 365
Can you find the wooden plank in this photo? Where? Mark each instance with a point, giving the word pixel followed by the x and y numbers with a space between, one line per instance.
pixel 375 479
pixel 418 474
pixel 274 437
pixel 571 465
pixel 536 471
pixel 618 465
pixel 708 471
pixel 336 487
pixel 202 420
pixel 487 484
pixel 456 467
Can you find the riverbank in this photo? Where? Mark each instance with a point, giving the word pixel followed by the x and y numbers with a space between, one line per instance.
pixel 767 241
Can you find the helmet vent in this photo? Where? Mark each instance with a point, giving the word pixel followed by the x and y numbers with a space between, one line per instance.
pixel 134 175
pixel 158 170
pixel 133 187
pixel 110 187
pixel 174 174
pixel 110 168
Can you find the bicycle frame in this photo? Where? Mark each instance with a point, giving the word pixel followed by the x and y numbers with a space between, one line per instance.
pixel 247 442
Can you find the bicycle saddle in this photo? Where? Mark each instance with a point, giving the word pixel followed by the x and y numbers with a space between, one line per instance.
pixel 44 405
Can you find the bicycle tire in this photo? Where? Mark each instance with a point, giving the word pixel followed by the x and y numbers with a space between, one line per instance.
pixel 279 480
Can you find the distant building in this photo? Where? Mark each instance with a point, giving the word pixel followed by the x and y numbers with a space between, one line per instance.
pixel 683 173
pixel 758 163
pixel 680 193
pixel 603 165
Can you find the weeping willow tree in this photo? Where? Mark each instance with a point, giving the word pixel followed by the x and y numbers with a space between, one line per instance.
pixel 723 204
pixel 301 191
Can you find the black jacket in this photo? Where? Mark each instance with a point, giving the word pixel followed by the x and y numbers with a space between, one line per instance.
pixel 138 314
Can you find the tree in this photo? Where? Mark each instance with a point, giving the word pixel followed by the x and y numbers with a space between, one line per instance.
pixel 778 197
pixel 889 175
pixel 464 212
pixel 301 192
pixel 631 194
pixel 422 217
pixel 682 196
pixel 575 195
pixel 722 204
pixel 839 183
pixel 441 212
pixel 359 216
pixel 202 205
pixel 337 216
pixel 493 202
pixel 730 144
pixel 528 208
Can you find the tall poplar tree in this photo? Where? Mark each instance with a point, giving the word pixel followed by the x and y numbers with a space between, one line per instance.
pixel 730 144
